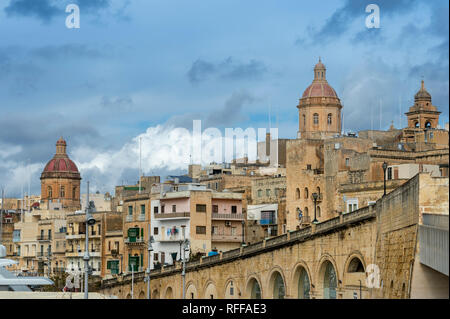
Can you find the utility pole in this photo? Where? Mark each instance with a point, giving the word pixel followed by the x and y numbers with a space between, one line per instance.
pixel 86 249
pixel 149 251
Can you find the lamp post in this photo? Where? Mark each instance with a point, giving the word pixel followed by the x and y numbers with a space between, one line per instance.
pixel 150 249
pixel 315 196
pixel 384 176
pixel 183 272
pixel 243 232
pixel 132 263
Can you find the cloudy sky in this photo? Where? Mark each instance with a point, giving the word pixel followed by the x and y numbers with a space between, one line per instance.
pixel 140 68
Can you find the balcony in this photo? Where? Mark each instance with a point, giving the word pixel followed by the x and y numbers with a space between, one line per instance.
pixel 129 218
pixel 44 238
pixel 228 216
pixel 173 215
pixel 227 238
pixel 170 239
pixel 141 217
pixel 134 241
pixel 73 235
pixel 41 254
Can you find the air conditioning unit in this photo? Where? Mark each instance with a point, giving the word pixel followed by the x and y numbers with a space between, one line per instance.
pixel 227 223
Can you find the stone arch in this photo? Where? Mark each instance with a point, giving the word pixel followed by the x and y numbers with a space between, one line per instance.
pixel 232 290
pixel 327 277
pixel 141 295
pixel 297 193
pixel 355 263
pixel 210 290
pixel 155 294
pixel 306 193
pixel 128 296
pixel 253 288
pixel 276 286
pixel 191 291
pixel 297 276
pixel 168 294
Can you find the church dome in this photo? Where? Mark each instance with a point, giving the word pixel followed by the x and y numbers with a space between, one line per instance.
pixel 319 87
pixel 422 94
pixel 60 163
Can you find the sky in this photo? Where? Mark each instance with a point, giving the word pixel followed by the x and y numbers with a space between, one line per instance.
pixel 138 72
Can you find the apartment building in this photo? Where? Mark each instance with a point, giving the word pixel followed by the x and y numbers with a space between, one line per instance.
pixel 209 219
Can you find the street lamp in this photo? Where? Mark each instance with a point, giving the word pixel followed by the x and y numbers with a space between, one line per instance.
pixel 243 232
pixel 150 249
pixel 132 263
pixel 183 272
pixel 384 176
pixel 315 196
pixel 90 221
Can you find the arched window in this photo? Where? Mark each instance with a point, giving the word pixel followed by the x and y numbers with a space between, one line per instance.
pixel 62 192
pixel 304 120
pixel 306 192
pixel 74 193
pixel 355 265
pixel 329 282
pixel 255 289
pixel 306 211
pixel 278 286
pixel 427 125
pixel 318 211
pixel 316 118
pixel 303 284
pixel 49 192
pixel 329 119
pixel 297 193
pixel 318 190
pixel 416 124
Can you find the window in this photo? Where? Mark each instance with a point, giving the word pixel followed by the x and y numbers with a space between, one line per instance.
pixel 215 208
pixel 259 192
pixel 200 208
pixel 155 256
pixel 316 118
pixel 49 192
pixel 427 125
pixel 268 192
pixel 200 230
pixel 389 173
pixel 318 190
pixel 174 208
pixel 306 211
pixel 233 231
pixel 306 193
pixel 347 161
pixel 329 119
pixel 214 230
pixel 155 209
pixel 62 193
pixel 233 209
pixel 217 185
pixel 109 246
pixel 352 205
pixel 130 210
pixel 297 193
pixel 74 193
pixel 304 120
pixel 155 231
pixel 162 209
pixel 142 209
pixel 308 166
pixel 318 211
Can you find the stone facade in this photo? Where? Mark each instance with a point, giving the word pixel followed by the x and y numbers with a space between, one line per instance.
pixel 383 234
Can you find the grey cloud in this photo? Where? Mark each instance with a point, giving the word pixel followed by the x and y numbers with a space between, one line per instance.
pixel 117 104
pixel 228 69
pixel 66 51
pixel 339 22
pixel 46 10
pixel 232 110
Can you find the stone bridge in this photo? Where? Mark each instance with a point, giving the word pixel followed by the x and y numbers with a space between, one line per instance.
pixel 370 253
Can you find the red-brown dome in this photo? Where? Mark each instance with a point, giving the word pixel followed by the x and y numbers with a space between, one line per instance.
pixel 319 89
pixel 61 165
